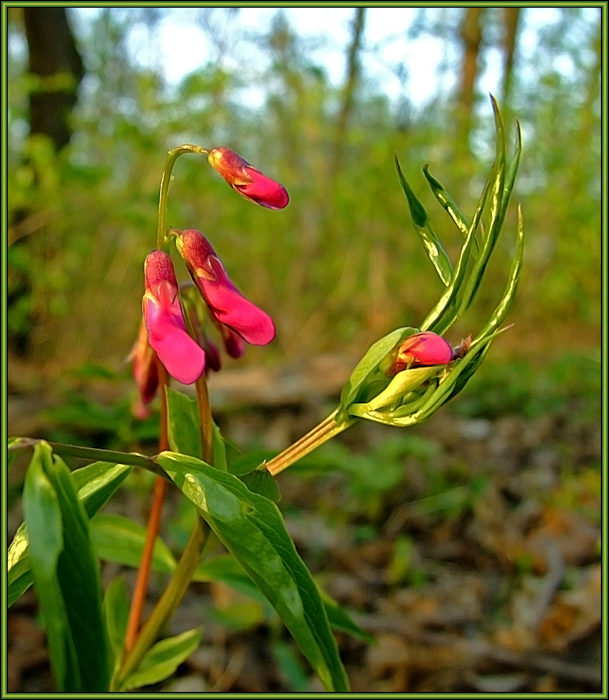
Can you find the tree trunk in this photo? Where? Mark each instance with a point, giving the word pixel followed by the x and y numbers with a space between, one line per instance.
pixel 353 71
pixel 511 17
pixel 56 62
pixel 471 37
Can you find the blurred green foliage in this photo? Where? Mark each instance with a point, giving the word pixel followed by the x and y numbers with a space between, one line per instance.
pixel 342 264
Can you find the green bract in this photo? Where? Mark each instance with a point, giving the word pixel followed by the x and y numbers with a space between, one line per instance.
pixel 415 393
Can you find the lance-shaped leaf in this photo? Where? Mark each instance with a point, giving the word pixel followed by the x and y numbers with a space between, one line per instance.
pixel 95 484
pixel 434 320
pixel 368 374
pixel 498 206
pixel 448 203
pixel 183 425
pixel 252 529
pixel 122 540
pixel 66 576
pixel 498 316
pixel 423 226
pixel 162 659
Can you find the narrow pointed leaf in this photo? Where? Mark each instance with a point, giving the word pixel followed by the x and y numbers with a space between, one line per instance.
pixel 122 540
pixel 116 614
pixel 183 423
pixel 423 226
pixel 66 576
pixel 252 529
pixel 498 316
pixel 95 484
pixel 432 321
pixel 448 203
pixel 162 660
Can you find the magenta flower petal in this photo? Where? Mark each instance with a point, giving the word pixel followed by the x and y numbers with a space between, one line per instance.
pixel 422 349
pixel 246 180
pixel 233 343
pixel 183 358
pixel 263 190
pixel 224 300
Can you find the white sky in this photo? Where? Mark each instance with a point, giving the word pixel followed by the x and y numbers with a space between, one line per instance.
pixel 180 46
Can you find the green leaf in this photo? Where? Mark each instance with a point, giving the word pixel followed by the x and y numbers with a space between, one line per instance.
pixel 261 482
pixel 226 569
pixel 184 429
pixel 367 369
pixel 447 202
pixel 116 613
pixel 340 620
pixel 252 529
pixel 498 316
pixel 19 573
pixel 66 576
pixel 121 540
pixel 219 448
pixel 162 660
pixel 95 484
pixel 498 207
pixel 445 307
pixel 290 666
pixel 422 223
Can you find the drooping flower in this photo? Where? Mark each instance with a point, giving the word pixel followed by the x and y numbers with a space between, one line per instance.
pixel 225 302
pixel 421 350
pixel 183 358
pixel 246 180
pixel 145 373
pixel 145 368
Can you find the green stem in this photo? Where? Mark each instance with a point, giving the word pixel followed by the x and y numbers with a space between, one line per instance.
pixel 172 156
pixel 182 576
pixel 92 454
pixel 321 433
pixel 168 602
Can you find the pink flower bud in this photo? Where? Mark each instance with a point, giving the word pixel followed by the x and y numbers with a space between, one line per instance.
pixel 167 334
pixel 145 368
pixel 422 349
pixel 247 181
pixel 225 302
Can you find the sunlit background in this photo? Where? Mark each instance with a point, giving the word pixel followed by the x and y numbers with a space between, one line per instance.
pixel 471 544
pixel 319 99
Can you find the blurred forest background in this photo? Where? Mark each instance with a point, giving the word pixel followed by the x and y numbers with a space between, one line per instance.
pixel 97 98
pixel 90 124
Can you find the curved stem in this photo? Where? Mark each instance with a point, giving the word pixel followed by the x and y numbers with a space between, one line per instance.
pixel 172 156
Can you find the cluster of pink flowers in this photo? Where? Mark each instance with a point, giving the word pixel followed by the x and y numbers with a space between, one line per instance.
pixel 164 334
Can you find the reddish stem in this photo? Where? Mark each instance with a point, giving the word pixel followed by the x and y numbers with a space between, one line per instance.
pixel 154 522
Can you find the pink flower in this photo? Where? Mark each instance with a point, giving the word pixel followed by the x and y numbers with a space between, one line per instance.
pixel 247 181
pixel 225 302
pixel 145 368
pixel 167 334
pixel 422 349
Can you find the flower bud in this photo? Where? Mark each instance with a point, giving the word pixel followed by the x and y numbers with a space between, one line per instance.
pixel 247 181
pixel 145 368
pixel 421 349
pixel 225 302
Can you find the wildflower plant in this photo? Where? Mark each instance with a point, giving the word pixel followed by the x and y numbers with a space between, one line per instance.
pixel 97 640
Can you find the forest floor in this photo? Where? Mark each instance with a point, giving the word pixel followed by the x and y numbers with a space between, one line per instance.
pixel 468 548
